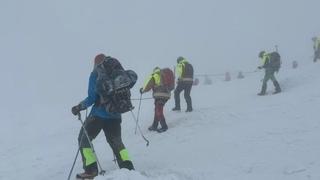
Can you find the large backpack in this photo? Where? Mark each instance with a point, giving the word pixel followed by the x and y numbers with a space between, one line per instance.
pixel 275 60
pixel 188 71
pixel 167 79
pixel 113 86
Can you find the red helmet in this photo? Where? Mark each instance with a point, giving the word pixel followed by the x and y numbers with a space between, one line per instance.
pixel 99 59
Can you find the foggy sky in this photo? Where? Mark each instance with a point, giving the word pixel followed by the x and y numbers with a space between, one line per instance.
pixel 47 47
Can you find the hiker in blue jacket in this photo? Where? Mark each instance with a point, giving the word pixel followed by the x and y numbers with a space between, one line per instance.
pixel 99 119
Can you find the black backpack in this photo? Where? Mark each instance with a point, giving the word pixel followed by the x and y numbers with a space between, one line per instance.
pixel 113 86
pixel 275 61
pixel 188 71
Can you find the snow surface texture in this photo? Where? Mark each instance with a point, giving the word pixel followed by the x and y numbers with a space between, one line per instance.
pixel 233 134
pixel 47 48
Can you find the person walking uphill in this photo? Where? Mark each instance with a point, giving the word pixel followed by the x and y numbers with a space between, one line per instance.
pixel 185 81
pixel 271 63
pixel 161 81
pixel 99 119
pixel 316 48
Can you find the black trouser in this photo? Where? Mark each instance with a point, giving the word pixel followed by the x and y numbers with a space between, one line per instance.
pixel 316 55
pixel 186 87
pixel 269 75
pixel 112 131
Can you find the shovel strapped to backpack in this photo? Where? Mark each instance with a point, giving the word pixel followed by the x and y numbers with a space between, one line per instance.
pixel 113 86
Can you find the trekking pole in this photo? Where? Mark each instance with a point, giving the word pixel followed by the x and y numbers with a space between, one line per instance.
pixel 114 159
pixel 75 159
pixel 134 118
pixel 135 131
pixel 102 172
pixel 74 162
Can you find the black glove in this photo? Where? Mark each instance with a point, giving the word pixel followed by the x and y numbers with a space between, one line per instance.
pixel 260 67
pixel 141 90
pixel 76 109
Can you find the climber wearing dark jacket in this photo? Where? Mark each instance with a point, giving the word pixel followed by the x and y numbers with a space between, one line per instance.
pixel 185 80
pixel 270 69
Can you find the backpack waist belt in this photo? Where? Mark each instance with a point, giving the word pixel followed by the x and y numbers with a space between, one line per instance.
pixel 161 94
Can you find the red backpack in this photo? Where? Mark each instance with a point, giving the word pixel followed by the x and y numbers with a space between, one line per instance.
pixel 167 78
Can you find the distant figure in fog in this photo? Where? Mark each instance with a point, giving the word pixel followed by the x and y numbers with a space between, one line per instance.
pixel 294 64
pixel 316 48
pixel 227 76
pixel 207 80
pixel 271 63
pixel 185 81
pixel 240 75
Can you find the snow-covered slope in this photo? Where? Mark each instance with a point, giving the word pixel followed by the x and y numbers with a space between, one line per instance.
pixel 233 134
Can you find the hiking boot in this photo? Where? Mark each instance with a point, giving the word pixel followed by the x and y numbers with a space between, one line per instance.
pixel 87 175
pixel 263 89
pixel 276 92
pixel 90 172
pixel 164 126
pixel 277 87
pixel 154 126
pixel 176 109
pixel 162 129
pixel 126 164
pixel 261 94
pixel 189 110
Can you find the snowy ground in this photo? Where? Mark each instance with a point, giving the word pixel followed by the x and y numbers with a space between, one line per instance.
pixel 232 135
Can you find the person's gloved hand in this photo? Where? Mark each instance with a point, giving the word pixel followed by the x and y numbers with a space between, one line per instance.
pixel 76 109
pixel 260 67
pixel 141 90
